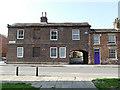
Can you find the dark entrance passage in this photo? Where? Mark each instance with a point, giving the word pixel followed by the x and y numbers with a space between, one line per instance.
pixel 78 57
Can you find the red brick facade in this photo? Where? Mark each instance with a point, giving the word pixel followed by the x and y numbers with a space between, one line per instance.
pixel 3 45
pixel 104 47
pixel 38 35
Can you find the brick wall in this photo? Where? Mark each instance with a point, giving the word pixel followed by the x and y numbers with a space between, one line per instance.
pixel 64 39
pixel 104 48
pixel 3 45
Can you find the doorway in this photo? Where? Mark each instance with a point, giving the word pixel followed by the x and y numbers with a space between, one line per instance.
pixel 97 56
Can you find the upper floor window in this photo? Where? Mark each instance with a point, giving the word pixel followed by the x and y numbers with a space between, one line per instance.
pixel 111 39
pixel 20 34
pixel 75 34
pixel 20 52
pixel 62 52
pixel 96 39
pixel 53 34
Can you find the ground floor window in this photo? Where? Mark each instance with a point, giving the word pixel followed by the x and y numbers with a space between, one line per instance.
pixel 20 52
pixel 53 52
pixel 112 54
pixel 62 52
pixel 36 51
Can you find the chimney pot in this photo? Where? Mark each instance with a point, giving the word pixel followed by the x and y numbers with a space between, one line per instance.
pixel 42 14
pixel 43 19
pixel 45 14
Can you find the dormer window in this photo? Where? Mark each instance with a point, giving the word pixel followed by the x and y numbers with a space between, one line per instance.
pixel 20 34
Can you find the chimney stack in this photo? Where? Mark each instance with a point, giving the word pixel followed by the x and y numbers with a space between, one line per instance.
pixel 43 19
pixel 116 24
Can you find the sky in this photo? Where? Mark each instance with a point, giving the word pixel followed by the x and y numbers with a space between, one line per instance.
pixel 98 13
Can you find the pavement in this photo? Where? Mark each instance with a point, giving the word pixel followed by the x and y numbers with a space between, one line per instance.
pixel 58 65
pixel 48 82
pixel 52 82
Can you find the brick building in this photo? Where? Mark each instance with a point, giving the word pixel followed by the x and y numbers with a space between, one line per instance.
pixel 3 46
pixel 62 43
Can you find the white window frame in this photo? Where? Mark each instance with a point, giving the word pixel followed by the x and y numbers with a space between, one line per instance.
pixel 21 52
pixel 112 40
pixel 18 33
pixel 60 52
pixel 115 54
pixel 50 52
pixel 97 35
pixel 56 34
pixel 76 34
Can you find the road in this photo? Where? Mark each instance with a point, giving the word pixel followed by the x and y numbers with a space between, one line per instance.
pixel 84 72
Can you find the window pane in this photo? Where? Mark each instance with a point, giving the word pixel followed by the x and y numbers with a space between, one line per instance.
pixel 53 52
pixel 20 34
pixel 53 35
pixel 96 39
pixel 19 52
pixel 112 53
pixel 75 34
pixel 75 37
pixel 111 38
pixel 75 31
pixel 62 52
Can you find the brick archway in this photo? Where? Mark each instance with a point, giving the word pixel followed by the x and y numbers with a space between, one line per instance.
pixel 75 59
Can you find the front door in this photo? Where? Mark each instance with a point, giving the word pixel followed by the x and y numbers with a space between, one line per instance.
pixel 97 56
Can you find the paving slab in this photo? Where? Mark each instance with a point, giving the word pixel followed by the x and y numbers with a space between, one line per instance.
pixel 48 82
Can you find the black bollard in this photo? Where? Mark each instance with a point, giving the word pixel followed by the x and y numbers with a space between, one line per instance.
pixel 36 71
pixel 16 71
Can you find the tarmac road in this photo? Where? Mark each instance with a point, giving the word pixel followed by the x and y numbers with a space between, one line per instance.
pixel 82 72
pixel 70 76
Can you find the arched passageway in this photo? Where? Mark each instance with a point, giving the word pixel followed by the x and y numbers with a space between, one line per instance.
pixel 78 57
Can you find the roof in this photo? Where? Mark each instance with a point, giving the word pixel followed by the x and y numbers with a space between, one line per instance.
pixel 103 30
pixel 83 24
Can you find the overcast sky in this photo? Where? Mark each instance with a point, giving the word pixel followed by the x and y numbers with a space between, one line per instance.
pixel 98 13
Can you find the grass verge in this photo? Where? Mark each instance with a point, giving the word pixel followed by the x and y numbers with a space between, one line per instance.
pixel 107 83
pixel 16 85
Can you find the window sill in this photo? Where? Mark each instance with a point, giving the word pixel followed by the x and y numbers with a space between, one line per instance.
pixel 62 57
pixel 75 39
pixel 19 57
pixel 53 57
pixel 96 44
pixel 53 39
pixel 113 59
pixel 112 44
pixel 19 38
